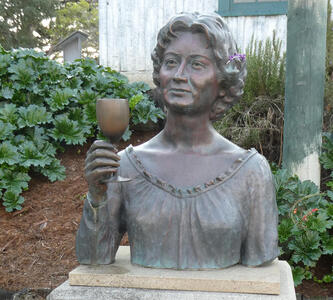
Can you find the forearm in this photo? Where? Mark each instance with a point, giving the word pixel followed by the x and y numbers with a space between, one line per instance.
pixel 98 236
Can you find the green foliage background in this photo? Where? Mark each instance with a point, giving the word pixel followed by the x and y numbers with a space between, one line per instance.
pixel 45 105
pixel 79 15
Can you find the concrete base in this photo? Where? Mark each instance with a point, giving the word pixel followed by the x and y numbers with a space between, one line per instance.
pixel 235 279
pixel 159 284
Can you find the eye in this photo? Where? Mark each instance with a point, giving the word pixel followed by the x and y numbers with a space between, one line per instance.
pixel 198 65
pixel 170 62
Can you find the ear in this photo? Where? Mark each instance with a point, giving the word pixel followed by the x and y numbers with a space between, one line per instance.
pixel 222 93
pixel 218 109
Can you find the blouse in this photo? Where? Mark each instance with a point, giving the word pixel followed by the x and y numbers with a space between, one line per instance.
pixel 228 220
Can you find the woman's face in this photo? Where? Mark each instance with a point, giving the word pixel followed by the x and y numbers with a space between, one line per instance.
pixel 188 74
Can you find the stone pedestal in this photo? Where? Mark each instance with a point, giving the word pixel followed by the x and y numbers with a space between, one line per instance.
pixel 125 281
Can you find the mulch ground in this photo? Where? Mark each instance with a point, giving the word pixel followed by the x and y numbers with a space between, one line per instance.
pixel 37 243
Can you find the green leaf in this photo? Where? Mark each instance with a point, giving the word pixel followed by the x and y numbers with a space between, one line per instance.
pixel 327 244
pixel 133 101
pixel 88 96
pixel 8 113
pixel 14 181
pixel 60 98
pixel 306 248
pixel 298 275
pixel 6 130
pixel 33 115
pixel 12 201
pixel 69 131
pixel 6 92
pixel 318 222
pixel 8 153
pixel 22 72
pixel 54 171
pixel 89 112
pixel 127 134
pixel 5 61
pixel 31 156
pixel 284 229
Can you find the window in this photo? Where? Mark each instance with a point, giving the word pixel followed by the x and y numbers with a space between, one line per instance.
pixel 230 8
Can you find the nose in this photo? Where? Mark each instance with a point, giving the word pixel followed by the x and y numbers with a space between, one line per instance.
pixel 181 74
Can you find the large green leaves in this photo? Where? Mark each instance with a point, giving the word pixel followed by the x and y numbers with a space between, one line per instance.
pixel 60 98
pixel 31 156
pixel 69 131
pixel 6 130
pixel 45 105
pixel 54 171
pixel 33 115
pixel 13 180
pixel 9 113
pixel 8 153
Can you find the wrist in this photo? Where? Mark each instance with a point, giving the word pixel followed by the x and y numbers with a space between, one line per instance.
pixel 96 202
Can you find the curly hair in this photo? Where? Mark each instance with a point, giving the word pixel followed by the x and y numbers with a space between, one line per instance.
pixel 230 73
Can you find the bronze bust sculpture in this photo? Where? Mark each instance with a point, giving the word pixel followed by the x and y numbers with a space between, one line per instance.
pixel 196 200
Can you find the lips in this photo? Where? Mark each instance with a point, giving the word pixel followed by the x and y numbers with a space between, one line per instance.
pixel 176 90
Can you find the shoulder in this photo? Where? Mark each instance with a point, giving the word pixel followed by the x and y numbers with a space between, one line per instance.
pixel 257 167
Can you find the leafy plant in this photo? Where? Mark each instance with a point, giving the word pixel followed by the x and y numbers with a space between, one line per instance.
pixel 45 105
pixel 306 216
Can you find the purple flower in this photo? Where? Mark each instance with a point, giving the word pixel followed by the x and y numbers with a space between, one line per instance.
pixel 237 56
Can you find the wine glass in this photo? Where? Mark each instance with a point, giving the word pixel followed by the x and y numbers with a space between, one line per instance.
pixel 113 118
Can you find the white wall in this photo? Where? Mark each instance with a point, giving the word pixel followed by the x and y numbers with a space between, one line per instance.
pixel 128 30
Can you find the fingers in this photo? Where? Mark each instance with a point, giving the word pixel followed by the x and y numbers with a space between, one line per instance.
pixel 100 174
pixel 101 161
pixel 100 144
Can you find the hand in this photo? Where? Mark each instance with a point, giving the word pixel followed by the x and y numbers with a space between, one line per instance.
pixel 101 163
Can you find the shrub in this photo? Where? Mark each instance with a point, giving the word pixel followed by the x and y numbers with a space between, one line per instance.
pixel 305 220
pixel 45 105
pixel 257 120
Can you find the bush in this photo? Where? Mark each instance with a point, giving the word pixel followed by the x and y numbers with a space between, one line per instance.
pixel 305 220
pixel 257 120
pixel 45 105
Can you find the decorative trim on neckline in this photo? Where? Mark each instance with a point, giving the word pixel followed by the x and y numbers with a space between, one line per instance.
pixel 188 191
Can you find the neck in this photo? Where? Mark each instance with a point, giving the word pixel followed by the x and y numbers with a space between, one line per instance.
pixel 188 133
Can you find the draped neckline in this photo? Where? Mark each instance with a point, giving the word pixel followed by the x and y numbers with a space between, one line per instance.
pixel 190 191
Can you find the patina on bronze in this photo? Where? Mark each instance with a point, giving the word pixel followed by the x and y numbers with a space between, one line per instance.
pixel 196 200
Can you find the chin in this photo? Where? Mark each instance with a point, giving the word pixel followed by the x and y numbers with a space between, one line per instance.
pixel 179 106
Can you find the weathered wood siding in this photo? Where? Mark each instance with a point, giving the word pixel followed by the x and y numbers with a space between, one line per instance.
pixel 128 29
